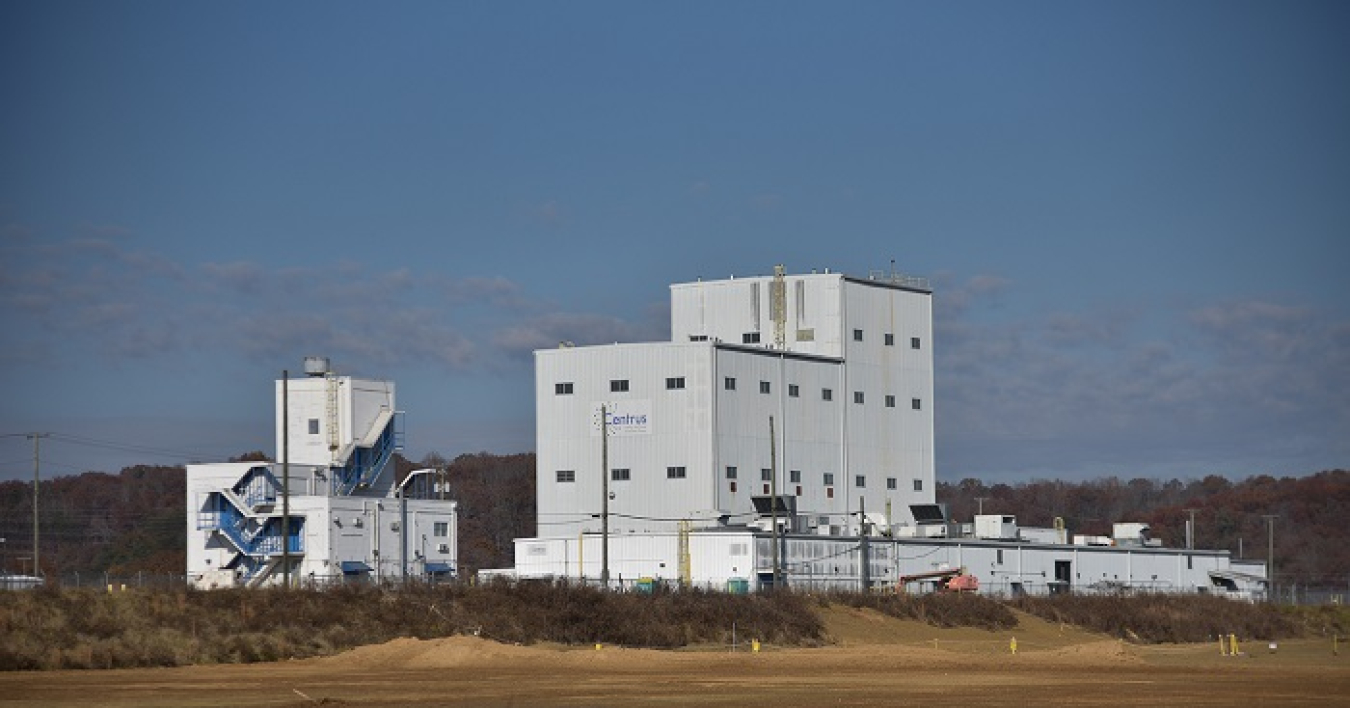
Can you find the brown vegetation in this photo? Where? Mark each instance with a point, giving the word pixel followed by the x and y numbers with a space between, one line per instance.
pixel 52 628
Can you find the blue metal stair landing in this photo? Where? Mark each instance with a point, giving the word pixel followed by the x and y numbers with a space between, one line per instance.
pixel 365 463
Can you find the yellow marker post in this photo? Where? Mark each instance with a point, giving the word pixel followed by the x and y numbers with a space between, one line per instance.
pixel 1232 645
pixel 1012 646
pixel 1223 646
pixel 754 646
pixel 597 646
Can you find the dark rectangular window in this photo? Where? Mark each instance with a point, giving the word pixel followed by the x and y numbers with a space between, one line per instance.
pixel 857 396
pixel 620 474
pixel 826 394
pixel 794 391
pixel 731 473
pixel 890 339
pixel 859 481
pixel 698 337
pixel 913 342
pixel 765 475
pixel 891 483
pixel 567 475
pixel 674 473
pixel 729 383
pixel 857 335
pixel 918 485
pixel 829 479
pixel 674 383
pixel 313 426
pixel 763 386
pixel 750 338
pixel 916 404
pixel 999 559
pixel 440 529
pixel 618 385
pixel 890 401
pixel 563 389
pixel 795 476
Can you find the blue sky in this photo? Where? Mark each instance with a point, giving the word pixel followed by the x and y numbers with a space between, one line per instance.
pixel 1136 216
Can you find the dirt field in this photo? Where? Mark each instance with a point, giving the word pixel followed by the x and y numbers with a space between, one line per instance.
pixel 874 660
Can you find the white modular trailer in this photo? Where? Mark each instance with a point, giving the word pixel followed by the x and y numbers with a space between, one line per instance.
pixel 689 438
pixel 717 559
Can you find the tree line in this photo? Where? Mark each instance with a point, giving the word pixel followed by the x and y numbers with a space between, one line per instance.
pixel 135 520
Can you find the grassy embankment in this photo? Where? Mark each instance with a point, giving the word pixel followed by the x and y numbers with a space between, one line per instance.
pixel 80 628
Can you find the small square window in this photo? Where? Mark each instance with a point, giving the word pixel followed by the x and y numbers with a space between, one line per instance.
pixel 826 394
pixel 674 473
pixel 750 338
pixel 918 485
pixel 890 401
pixel 859 481
pixel 313 426
pixel 794 391
pixel 913 342
pixel 567 476
pixel 563 388
pixel 763 386
pixel 440 529
pixel 620 474
pixel 890 339
pixel 857 335
pixel 618 385
pixel 731 473
pixel 857 396
pixel 675 383
pixel 891 483
pixel 765 474
pixel 916 404
pixel 729 383
pixel 795 476
pixel 829 479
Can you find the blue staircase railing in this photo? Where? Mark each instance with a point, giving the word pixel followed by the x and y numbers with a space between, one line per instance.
pixel 254 543
pixel 366 463
pixel 258 486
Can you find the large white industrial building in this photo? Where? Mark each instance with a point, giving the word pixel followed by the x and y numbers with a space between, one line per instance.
pixel 349 519
pixel 663 459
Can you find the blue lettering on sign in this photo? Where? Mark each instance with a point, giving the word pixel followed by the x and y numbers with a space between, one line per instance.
pixel 626 419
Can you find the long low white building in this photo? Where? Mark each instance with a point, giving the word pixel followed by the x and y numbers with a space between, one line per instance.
pixel 743 560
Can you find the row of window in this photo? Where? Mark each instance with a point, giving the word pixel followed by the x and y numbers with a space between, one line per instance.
pixel 889 339
pixel 567 388
pixel 624 474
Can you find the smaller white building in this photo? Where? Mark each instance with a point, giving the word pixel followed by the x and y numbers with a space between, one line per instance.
pixel 349 520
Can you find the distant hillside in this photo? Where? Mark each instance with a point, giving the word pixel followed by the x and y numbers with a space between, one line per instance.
pixel 135 520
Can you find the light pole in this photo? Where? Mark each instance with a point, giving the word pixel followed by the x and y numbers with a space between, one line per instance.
pixel 980 502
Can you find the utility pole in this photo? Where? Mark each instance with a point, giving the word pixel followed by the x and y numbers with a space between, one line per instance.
pixel 773 500
pixel 980 501
pixel 1190 530
pixel 37 480
pixel 604 495
pixel 286 476
pixel 1270 552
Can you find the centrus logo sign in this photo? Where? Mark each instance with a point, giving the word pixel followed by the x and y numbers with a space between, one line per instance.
pixel 622 417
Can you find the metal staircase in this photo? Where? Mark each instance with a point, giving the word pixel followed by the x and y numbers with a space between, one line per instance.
pixel 243 516
pixel 366 461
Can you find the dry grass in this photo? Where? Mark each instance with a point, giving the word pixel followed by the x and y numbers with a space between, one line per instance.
pixel 53 628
